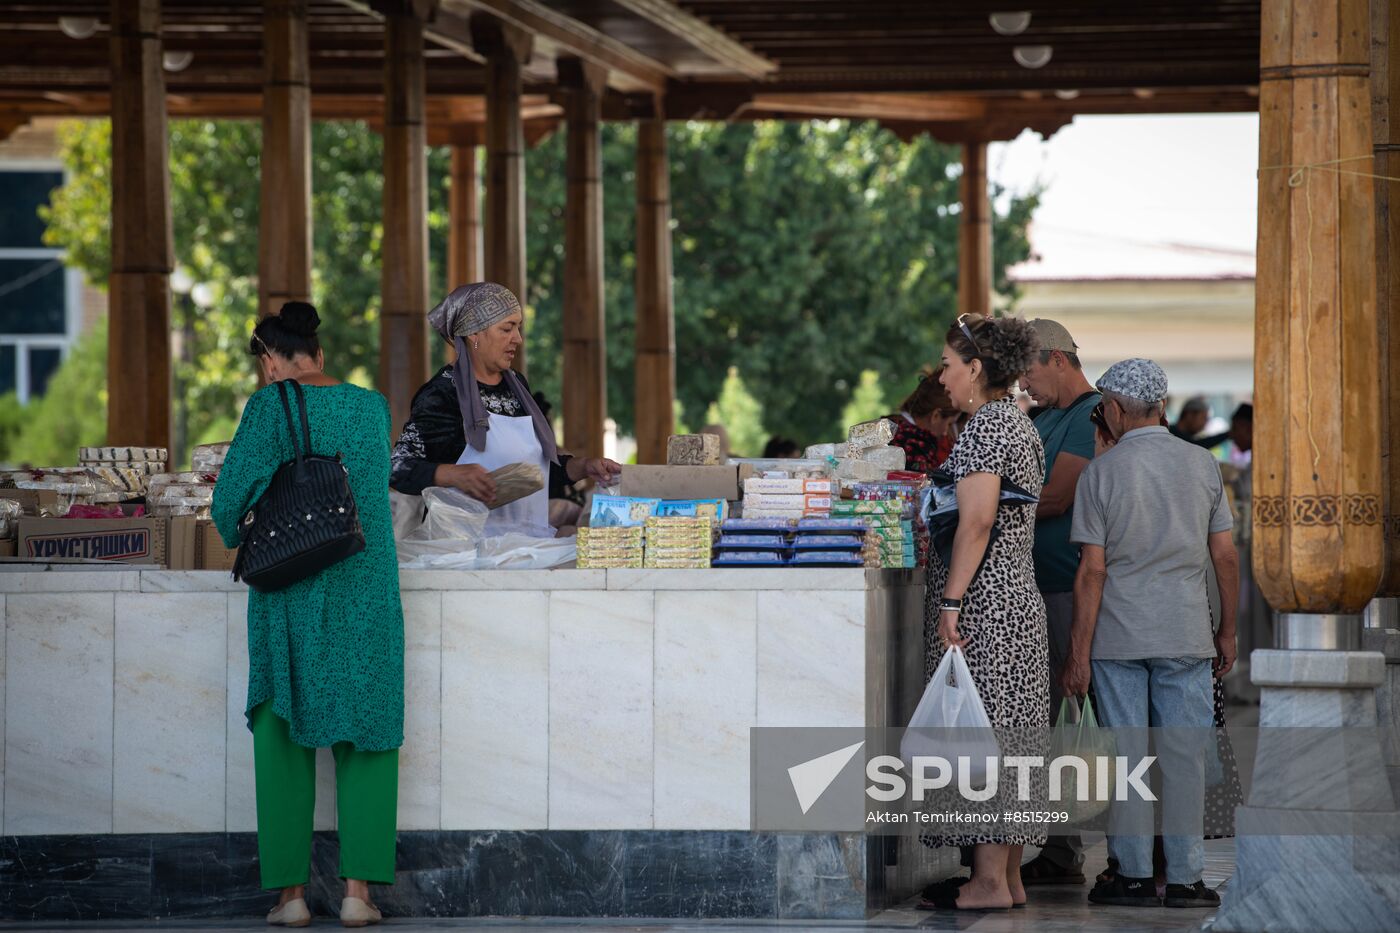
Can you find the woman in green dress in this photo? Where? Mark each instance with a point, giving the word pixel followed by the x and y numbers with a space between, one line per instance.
pixel 325 655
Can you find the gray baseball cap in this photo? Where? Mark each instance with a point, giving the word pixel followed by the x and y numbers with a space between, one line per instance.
pixel 1054 336
pixel 1136 378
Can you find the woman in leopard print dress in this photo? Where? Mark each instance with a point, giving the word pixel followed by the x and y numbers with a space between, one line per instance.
pixel 995 614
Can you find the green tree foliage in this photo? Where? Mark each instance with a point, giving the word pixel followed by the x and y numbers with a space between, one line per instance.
pixel 805 255
pixel 215 212
pixel 72 413
pixel 867 402
pixel 741 415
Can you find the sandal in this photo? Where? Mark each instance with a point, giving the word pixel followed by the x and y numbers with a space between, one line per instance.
pixel 1040 870
pixel 1108 874
pixel 1123 891
pixel 950 902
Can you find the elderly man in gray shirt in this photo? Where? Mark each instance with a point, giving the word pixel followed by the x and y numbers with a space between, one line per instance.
pixel 1150 515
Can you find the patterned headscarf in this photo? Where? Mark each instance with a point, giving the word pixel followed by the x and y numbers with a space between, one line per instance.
pixel 470 309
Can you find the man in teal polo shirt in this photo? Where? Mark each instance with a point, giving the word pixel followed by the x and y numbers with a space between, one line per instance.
pixel 1056 382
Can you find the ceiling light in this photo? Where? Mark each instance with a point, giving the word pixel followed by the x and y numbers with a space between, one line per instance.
pixel 78 27
pixel 177 61
pixel 1010 24
pixel 1032 56
pixel 1066 95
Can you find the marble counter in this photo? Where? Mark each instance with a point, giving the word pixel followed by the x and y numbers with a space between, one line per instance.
pixel 538 702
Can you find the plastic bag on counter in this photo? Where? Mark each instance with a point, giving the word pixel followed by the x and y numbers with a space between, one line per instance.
pixel 452 536
pixel 10 513
pixel 453 524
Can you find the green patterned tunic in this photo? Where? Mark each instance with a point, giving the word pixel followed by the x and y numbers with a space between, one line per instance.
pixel 327 651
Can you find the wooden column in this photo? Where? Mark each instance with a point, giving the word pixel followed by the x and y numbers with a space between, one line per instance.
pixel 1385 120
pixel 656 340
pixel 138 346
pixel 284 221
pixel 506 48
pixel 585 349
pixel 1318 539
pixel 975 233
pixel 403 322
pixel 464 208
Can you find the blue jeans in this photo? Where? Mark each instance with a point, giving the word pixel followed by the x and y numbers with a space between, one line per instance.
pixel 1173 694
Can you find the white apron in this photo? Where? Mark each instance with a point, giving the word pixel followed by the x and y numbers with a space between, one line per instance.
pixel 512 440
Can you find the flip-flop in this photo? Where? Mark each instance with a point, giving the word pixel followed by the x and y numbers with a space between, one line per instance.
pixel 951 903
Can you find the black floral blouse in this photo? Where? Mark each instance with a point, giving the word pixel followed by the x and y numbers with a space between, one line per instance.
pixel 434 434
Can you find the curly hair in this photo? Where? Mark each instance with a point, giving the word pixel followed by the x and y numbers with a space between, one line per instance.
pixel 928 396
pixel 1005 345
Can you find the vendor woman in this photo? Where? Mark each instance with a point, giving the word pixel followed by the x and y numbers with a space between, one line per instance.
pixel 477 415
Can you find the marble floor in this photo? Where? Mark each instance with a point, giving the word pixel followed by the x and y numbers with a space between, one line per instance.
pixel 1057 909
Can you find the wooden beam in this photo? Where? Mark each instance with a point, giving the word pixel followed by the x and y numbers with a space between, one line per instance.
pixel 1318 538
pixel 656 339
pixel 403 323
pixel 910 107
pixel 716 45
pixel 628 69
pixel 585 346
pixel 974 234
pixel 284 219
pixel 505 48
pixel 1385 114
pixel 138 343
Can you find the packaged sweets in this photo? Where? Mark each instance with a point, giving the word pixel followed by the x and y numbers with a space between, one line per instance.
pixel 780 468
pixel 823 542
pixel 748 524
pixel 866 507
pixel 790 515
pixel 803 503
pixel 885 457
pixel 842 525
pixel 875 433
pixel 692 450
pixel 858 471
pixel 620 511
pixel 713 509
pixel 759 485
pixel 209 458
pixel 629 534
pixel 749 559
pixel 699 562
pixel 124 454
pixel 827 559
pixel 751 542
pixel 587 562
pixel 822 451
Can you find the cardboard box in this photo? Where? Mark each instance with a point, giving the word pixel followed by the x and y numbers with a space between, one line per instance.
pixel 7 547
pixel 679 482
pixel 180 544
pixel 122 540
pixel 210 553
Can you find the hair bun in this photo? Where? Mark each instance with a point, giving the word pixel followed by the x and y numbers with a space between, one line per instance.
pixel 1012 342
pixel 300 318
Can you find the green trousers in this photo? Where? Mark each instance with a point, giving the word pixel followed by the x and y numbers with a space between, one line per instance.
pixel 367 792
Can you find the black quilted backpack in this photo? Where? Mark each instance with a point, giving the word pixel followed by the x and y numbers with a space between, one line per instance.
pixel 305 521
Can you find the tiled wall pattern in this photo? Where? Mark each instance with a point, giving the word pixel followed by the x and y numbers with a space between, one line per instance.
pixel 576 700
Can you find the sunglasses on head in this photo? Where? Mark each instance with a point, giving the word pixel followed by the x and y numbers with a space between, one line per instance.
pixel 967 331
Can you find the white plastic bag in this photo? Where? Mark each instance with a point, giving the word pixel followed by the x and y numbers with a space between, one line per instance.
pixel 950 721
pixel 452 536
pixel 454 525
